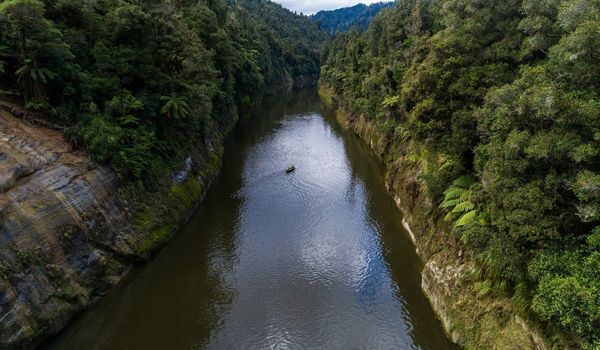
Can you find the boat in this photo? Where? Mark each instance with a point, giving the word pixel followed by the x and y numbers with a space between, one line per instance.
pixel 290 168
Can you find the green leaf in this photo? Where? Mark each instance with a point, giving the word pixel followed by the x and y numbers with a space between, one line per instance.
pixel 466 218
pixel 453 193
pixel 463 181
pixel 449 203
pixel 463 207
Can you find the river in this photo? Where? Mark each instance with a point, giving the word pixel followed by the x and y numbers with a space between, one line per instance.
pixel 313 259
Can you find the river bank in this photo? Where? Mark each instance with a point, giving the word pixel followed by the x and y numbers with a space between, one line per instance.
pixel 317 258
pixel 450 275
pixel 70 232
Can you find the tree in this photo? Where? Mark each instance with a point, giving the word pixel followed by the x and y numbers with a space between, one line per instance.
pixel 568 290
pixel 175 106
pixel 82 62
pixel 34 76
pixel 35 41
pixel 507 94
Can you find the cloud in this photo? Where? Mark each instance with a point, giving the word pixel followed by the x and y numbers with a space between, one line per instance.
pixel 312 6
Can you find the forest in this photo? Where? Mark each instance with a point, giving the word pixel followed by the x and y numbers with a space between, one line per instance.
pixel 134 83
pixel 341 20
pixel 506 93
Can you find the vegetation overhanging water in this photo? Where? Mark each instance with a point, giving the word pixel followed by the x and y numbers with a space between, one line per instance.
pixel 312 259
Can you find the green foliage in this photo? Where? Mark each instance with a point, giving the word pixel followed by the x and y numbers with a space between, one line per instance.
pixel 39 104
pixel 587 190
pixel 568 290
pixel 83 64
pixel 468 215
pixel 3 53
pixel 342 19
pixel 36 74
pixel 457 200
pixel 34 43
pixel 509 91
pixel 27 258
pixel 482 288
pixel 101 137
pixel 521 298
pixel 391 101
pixel 5 269
pixel 175 106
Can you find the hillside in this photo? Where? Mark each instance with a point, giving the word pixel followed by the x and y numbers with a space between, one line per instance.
pixel 343 19
pixel 82 65
pixel 139 96
pixel 486 114
pixel 494 107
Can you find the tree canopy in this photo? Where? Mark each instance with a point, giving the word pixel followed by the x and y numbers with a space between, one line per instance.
pixel 508 93
pixel 340 20
pixel 140 83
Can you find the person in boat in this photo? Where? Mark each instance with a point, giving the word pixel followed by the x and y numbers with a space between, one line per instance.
pixel 290 168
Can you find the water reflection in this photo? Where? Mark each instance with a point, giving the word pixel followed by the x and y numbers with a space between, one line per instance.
pixel 314 259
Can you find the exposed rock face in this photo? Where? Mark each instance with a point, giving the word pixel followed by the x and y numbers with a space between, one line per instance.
pixel 63 235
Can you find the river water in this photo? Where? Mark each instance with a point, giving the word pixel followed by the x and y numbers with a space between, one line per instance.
pixel 314 259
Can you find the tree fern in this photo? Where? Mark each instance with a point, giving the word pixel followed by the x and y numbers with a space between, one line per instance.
pixel 175 106
pixel 39 74
pixel 457 202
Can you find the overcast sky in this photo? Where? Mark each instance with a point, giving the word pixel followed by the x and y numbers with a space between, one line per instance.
pixel 311 6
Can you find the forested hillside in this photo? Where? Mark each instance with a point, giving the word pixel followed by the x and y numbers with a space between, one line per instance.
pixel 505 96
pixel 342 19
pixel 137 83
pixel 147 87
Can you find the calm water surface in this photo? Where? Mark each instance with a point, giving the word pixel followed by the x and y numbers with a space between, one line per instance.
pixel 315 259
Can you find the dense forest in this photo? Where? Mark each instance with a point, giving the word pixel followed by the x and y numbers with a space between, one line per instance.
pixel 343 19
pixel 506 93
pixel 138 83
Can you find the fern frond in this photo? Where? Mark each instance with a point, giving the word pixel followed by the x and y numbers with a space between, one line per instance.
pixel 453 193
pixel 465 196
pixel 466 218
pixel 464 181
pixel 450 203
pixel 463 207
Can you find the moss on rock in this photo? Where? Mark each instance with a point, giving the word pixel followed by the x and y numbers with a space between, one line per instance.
pixel 160 214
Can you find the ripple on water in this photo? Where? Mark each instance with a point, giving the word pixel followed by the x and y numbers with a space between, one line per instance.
pixel 314 268
pixel 278 261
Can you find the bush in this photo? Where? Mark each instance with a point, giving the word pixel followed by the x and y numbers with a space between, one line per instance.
pixel 569 289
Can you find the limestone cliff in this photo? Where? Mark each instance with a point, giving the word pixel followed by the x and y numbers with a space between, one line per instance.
pixel 65 236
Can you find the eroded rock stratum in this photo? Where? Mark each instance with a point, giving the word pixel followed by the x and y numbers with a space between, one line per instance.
pixel 63 235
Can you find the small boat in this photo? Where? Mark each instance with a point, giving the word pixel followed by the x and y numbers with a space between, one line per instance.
pixel 290 168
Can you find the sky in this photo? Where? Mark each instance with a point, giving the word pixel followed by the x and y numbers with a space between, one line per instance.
pixel 309 7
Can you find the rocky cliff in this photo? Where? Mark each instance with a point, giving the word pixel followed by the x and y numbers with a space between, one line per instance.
pixel 450 278
pixel 65 234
